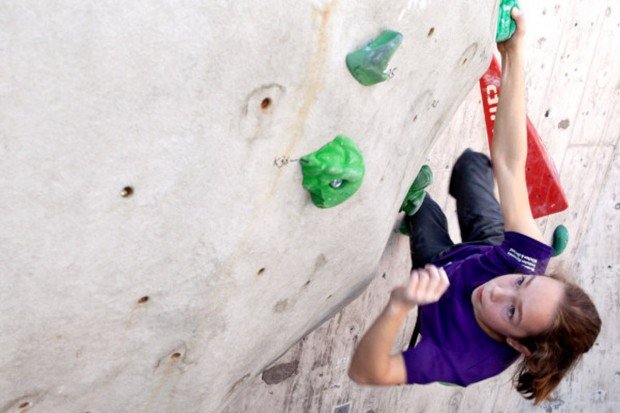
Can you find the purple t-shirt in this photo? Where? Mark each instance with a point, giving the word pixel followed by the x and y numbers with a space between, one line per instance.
pixel 453 348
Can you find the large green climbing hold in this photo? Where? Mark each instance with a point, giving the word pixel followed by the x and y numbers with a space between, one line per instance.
pixel 368 65
pixel 506 26
pixel 560 240
pixel 333 173
pixel 415 195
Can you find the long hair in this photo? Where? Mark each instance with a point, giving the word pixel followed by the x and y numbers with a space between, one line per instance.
pixel 556 351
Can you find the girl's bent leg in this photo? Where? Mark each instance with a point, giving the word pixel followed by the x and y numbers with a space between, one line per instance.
pixel 479 213
pixel 428 233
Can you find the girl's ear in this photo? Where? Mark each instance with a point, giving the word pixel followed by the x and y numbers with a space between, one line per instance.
pixel 518 346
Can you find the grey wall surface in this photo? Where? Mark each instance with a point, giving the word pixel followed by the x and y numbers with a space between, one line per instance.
pixel 236 262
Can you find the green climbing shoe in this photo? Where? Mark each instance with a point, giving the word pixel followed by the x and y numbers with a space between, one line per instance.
pixel 415 195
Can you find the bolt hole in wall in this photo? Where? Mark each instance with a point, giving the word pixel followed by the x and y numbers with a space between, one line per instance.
pixel 127 192
pixel 175 356
pixel 265 103
pixel 143 299
pixel 261 271
pixel 25 405
pixel 430 32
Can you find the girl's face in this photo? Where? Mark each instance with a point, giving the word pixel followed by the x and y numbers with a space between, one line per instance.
pixel 517 305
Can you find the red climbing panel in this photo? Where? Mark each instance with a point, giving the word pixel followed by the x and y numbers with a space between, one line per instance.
pixel 543 183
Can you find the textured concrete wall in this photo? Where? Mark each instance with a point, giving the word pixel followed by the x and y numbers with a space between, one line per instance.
pixel 167 299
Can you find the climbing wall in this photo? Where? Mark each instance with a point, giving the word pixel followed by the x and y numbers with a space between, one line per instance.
pixel 157 248
pixel 571 50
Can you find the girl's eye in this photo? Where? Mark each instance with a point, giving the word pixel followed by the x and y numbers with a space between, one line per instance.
pixel 521 280
pixel 511 312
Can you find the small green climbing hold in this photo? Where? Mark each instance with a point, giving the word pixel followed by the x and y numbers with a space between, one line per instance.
pixel 506 26
pixel 334 172
pixel 415 195
pixel 368 65
pixel 445 383
pixel 560 240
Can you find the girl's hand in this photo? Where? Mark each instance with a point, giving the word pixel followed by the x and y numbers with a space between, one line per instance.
pixel 515 43
pixel 426 285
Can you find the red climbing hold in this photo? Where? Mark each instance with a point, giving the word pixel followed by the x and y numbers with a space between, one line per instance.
pixel 543 182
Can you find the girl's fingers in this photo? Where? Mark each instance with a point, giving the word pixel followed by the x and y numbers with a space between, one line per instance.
pixel 519 19
pixel 424 279
pixel 444 283
pixel 433 277
pixel 414 280
pixel 427 284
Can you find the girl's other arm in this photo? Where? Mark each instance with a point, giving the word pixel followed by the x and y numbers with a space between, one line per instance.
pixel 509 149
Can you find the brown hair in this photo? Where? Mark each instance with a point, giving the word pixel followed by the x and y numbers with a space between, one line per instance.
pixel 556 351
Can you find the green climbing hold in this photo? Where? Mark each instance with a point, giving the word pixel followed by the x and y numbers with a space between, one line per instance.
pixel 415 195
pixel 368 65
pixel 560 240
pixel 334 172
pixel 506 26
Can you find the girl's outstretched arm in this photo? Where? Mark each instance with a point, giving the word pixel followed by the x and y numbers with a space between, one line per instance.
pixel 509 149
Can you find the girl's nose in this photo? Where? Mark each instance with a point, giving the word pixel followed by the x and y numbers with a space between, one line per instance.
pixel 499 294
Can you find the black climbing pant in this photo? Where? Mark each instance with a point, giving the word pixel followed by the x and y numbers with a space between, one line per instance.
pixel 479 214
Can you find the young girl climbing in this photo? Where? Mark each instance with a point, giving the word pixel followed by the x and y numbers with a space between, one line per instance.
pixel 482 304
